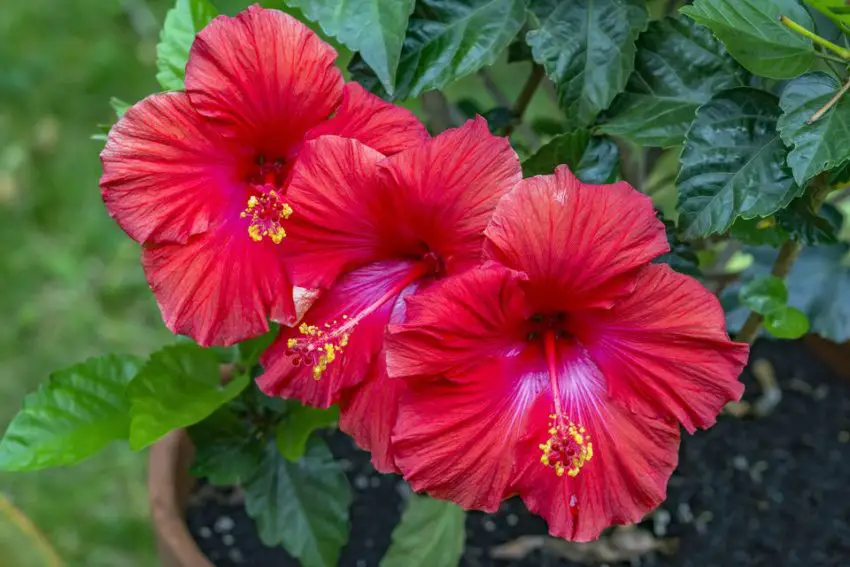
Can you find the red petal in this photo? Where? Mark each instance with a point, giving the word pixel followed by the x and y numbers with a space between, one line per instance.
pixel 221 286
pixel 446 190
pixel 633 459
pixel 575 241
pixel 263 77
pixel 166 175
pixel 372 121
pixel 368 413
pixel 368 287
pixel 331 191
pixel 664 349
pixel 455 439
pixel 458 322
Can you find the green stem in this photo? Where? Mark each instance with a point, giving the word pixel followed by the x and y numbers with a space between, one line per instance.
pixel 825 43
pixel 827 57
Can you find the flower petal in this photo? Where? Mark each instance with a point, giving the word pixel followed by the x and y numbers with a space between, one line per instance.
pixel 166 174
pixel 576 242
pixel 357 307
pixel 633 458
pixel 331 231
pixel 446 190
pixel 372 121
pixel 664 349
pixel 220 287
pixel 263 77
pixel 455 439
pixel 457 323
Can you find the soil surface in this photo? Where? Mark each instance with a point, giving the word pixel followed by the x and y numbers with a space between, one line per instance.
pixel 772 491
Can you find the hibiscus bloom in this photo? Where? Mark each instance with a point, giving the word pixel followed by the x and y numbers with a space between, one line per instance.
pixel 559 369
pixel 370 231
pixel 200 177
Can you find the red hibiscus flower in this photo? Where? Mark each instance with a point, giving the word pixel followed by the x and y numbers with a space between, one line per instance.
pixel 558 370
pixel 200 177
pixel 371 230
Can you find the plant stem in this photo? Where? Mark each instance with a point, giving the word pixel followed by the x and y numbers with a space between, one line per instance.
pixel 527 94
pixel 832 102
pixel 782 266
pixel 828 57
pixel 795 27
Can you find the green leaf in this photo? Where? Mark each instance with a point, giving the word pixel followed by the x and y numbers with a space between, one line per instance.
pixel 119 106
pixel 295 429
pixel 251 350
pixel 72 416
pixel 679 66
pixel 374 28
pixel 593 160
pixel 786 323
pixel 733 163
pixel 820 146
pixel 431 534
pixel 764 294
pixel 681 256
pixel 182 23
pixel 587 48
pixel 837 11
pixel 179 386
pixel 447 40
pixel 227 449
pixel 798 221
pixel 753 34
pixel 302 506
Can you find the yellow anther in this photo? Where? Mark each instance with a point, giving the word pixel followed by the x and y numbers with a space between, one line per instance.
pixel 319 346
pixel 568 448
pixel 266 213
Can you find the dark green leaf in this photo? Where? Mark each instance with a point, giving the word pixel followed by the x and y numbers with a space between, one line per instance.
pixel 820 146
pixel 227 449
pixel 302 506
pixel 764 294
pixel 250 350
pixel 588 50
pixel 681 257
pixel 499 118
pixel 805 225
pixel 431 534
pixel 679 66
pixel 179 386
pixel 295 429
pixel 786 323
pixel 759 232
pixel 446 40
pixel 518 50
pixel 182 23
pixel 374 28
pixel 841 175
pixel 593 160
pixel 753 34
pixel 72 416
pixel 733 163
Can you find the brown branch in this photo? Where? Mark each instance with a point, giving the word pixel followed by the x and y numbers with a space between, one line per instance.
pixel 524 98
pixel 832 102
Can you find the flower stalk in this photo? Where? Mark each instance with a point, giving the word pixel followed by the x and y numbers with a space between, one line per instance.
pixel 842 52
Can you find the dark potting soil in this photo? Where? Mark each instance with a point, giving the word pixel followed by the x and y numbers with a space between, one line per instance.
pixel 772 491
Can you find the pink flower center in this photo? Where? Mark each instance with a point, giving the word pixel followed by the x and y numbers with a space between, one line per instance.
pixel 266 212
pixel 320 345
pixel 568 448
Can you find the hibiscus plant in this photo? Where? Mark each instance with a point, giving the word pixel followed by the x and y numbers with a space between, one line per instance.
pixel 493 305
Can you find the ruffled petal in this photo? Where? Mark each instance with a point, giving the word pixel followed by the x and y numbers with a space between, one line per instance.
pixel 372 121
pixel 445 190
pixel 263 77
pixel 368 413
pixel 577 243
pixel 166 174
pixel 455 439
pixel 352 316
pixel 664 349
pixel 332 191
pixel 457 323
pixel 626 477
pixel 220 287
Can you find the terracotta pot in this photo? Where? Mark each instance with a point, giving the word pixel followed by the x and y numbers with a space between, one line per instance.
pixel 169 487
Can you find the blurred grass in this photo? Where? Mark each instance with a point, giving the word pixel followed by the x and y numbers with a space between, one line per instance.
pixel 71 286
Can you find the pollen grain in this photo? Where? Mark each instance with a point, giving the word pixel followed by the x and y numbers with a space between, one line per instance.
pixel 568 448
pixel 319 346
pixel 266 212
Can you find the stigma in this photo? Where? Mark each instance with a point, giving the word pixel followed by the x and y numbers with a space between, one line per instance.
pixel 568 448
pixel 319 346
pixel 266 212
